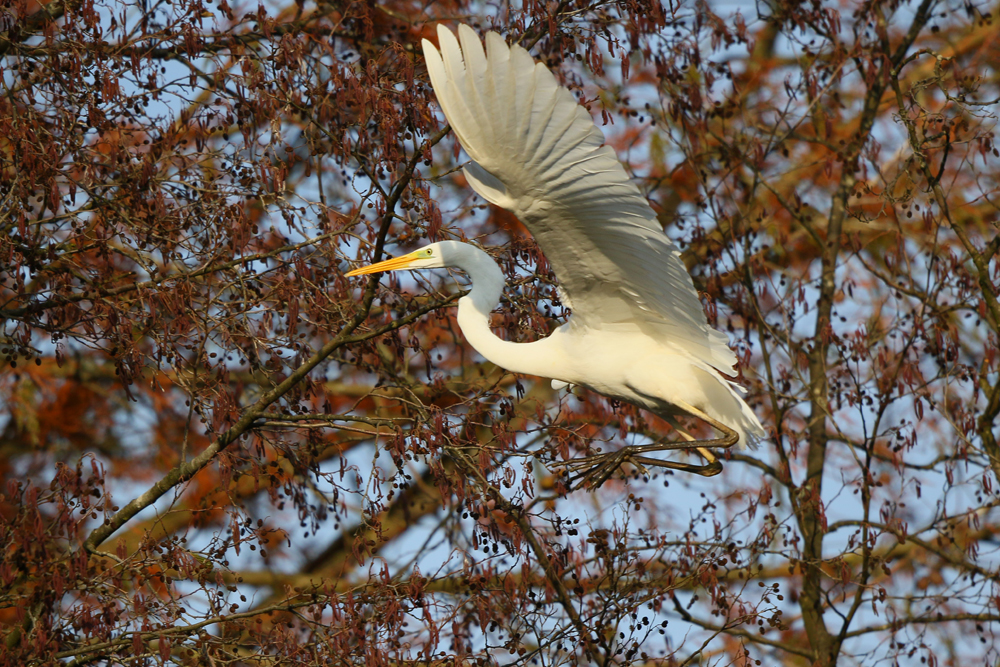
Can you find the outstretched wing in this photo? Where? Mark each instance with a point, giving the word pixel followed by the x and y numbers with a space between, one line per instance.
pixel 538 154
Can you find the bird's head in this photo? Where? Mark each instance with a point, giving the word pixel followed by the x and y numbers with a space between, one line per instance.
pixel 486 276
pixel 433 256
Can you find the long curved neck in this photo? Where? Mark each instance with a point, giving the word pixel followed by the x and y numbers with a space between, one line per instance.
pixel 538 358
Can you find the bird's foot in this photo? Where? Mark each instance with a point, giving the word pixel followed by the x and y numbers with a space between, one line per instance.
pixel 594 470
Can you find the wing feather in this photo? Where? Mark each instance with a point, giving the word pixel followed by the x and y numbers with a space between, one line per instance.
pixel 537 153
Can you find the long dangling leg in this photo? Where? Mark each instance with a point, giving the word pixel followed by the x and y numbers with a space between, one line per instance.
pixel 595 470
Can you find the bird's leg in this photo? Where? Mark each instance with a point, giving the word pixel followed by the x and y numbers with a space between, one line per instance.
pixel 595 470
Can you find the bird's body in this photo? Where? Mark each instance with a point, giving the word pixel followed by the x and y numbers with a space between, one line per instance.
pixel 617 360
pixel 637 330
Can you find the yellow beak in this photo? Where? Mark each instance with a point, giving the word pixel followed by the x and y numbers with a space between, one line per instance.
pixel 394 264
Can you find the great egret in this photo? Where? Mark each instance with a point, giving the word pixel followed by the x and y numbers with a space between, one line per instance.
pixel 637 330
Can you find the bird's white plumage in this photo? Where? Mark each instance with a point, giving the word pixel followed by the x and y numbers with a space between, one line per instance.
pixel 638 331
pixel 537 153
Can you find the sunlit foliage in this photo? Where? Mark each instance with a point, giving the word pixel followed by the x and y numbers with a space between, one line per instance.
pixel 217 450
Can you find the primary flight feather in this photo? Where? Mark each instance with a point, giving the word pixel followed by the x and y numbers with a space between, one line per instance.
pixel 637 330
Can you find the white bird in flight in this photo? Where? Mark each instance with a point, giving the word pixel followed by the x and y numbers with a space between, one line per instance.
pixel 637 331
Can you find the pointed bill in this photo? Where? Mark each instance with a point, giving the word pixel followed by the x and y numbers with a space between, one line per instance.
pixel 394 264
